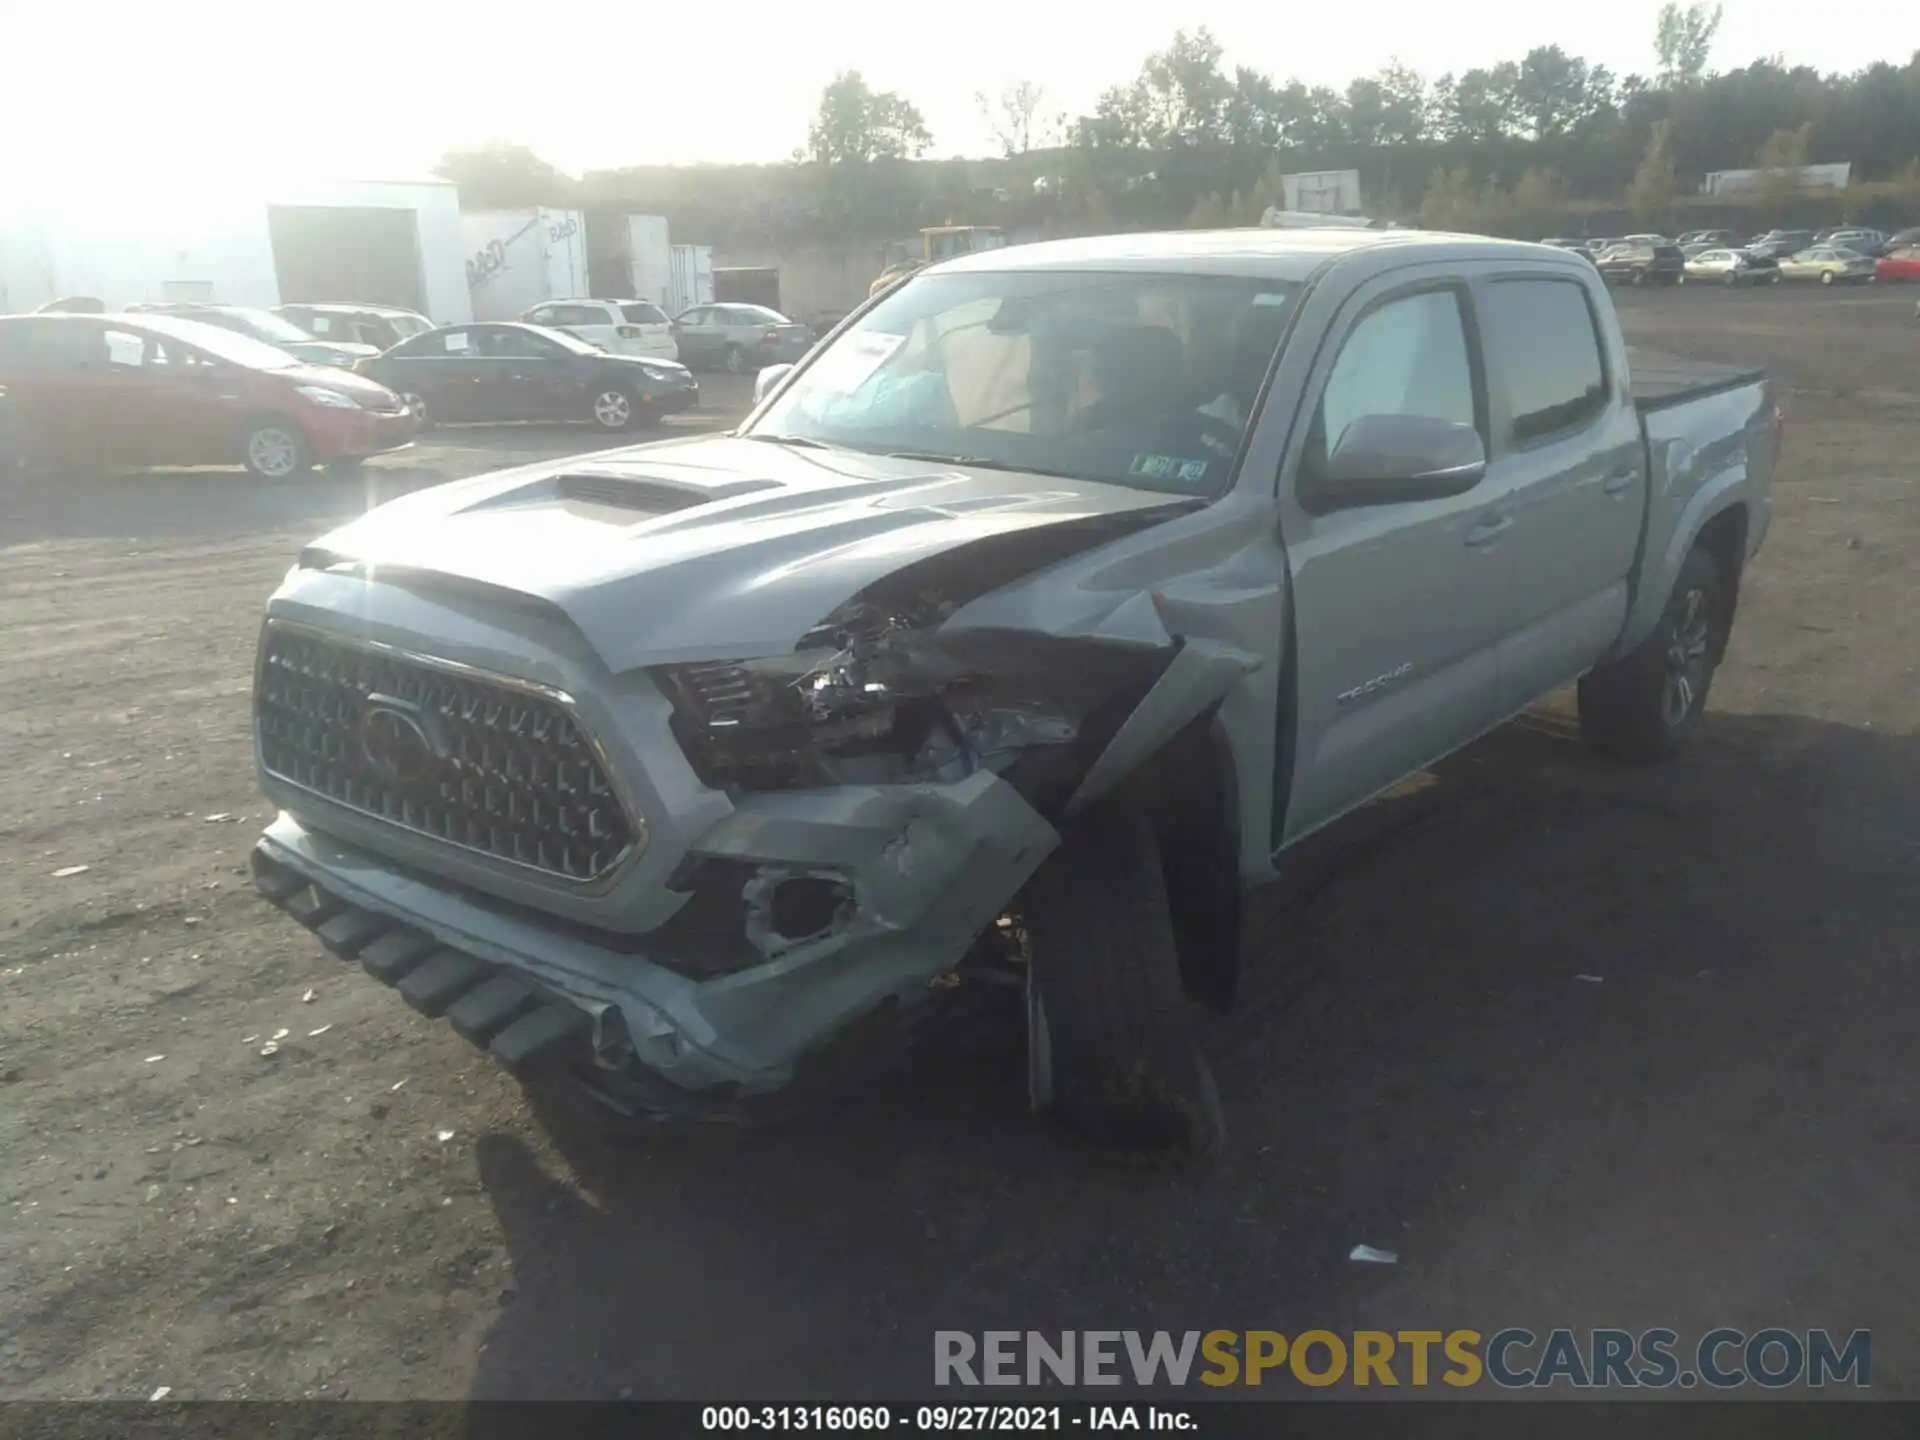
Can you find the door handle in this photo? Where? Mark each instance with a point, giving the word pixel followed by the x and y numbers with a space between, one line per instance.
pixel 1489 527
pixel 1619 480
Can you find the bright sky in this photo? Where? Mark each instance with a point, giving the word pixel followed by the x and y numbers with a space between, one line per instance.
pixel 379 91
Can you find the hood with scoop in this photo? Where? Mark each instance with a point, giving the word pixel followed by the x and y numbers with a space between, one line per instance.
pixel 716 548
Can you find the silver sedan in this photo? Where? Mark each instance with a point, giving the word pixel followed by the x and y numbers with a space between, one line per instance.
pixel 1829 264
pixel 1730 267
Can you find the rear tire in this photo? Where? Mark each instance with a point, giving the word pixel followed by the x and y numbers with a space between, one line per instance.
pixel 1111 1046
pixel 1643 706
pixel 275 449
pixel 735 360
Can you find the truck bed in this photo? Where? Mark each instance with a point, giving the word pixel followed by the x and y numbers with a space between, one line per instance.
pixel 1662 380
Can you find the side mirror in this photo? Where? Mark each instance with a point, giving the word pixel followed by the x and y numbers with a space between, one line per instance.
pixel 1392 459
pixel 768 380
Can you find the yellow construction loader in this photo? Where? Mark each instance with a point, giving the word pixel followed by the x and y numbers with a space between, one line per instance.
pixel 940 242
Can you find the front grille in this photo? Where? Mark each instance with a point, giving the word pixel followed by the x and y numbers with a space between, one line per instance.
pixel 480 764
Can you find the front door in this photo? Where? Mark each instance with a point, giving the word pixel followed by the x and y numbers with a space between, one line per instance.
pixel 1397 606
pixel 1567 443
pixel 532 378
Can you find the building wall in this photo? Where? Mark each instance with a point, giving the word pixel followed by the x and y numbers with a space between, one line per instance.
pixel 179 245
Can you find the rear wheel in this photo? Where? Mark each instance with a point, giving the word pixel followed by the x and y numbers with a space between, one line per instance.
pixel 276 450
pixel 1644 705
pixel 735 360
pixel 615 408
pixel 1111 1047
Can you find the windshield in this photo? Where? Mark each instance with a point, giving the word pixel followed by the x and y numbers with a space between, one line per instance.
pixel 228 345
pixel 1137 379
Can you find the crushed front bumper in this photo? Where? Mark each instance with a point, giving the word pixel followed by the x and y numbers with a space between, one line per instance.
pixel 716 1014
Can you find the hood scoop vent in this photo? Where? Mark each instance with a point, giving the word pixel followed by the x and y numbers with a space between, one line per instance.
pixel 642 493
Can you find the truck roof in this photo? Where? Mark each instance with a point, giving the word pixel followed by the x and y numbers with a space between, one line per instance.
pixel 1282 253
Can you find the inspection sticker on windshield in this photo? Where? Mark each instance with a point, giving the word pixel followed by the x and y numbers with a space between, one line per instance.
pixel 1169 467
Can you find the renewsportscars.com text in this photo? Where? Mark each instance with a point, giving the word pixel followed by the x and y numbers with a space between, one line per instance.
pixel 1513 1358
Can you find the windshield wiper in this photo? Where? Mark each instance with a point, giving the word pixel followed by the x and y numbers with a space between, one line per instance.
pixel 978 462
pixel 798 442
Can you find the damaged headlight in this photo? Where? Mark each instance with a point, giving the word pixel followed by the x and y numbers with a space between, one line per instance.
pixel 874 695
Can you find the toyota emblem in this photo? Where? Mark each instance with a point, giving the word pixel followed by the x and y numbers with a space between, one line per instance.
pixel 397 740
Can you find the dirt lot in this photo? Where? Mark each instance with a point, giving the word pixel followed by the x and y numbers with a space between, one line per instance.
pixel 1717 1130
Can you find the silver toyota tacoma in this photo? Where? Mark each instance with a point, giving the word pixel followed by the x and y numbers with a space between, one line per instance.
pixel 1020 629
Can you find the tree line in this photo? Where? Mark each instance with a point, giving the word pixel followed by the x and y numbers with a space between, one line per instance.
pixel 1545 142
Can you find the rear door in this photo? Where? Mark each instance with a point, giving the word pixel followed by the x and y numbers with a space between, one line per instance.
pixel 647 331
pixel 1567 446
pixel 44 367
pixel 696 335
pixel 442 368
pixel 1399 606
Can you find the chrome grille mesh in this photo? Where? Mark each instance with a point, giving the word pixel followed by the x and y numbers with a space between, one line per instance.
pixel 507 772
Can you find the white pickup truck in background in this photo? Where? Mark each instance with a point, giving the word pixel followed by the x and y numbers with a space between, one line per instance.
pixel 1024 625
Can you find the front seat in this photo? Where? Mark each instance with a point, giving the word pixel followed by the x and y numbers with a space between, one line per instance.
pixel 1141 373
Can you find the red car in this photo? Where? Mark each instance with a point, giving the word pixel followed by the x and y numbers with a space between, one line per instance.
pixel 118 391
pixel 1901 263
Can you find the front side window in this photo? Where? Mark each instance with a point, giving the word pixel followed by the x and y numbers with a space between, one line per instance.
pixel 1131 378
pixel 1408 357
pixel 1543 351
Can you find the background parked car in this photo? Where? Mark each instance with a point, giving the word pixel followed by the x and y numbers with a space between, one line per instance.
pixel 739 338
pixel 1899 263
pixel 507 371
pixel 1711 239
pixel 1643 264
pixel 1732 267
pixel 107 391
pixel 1856 238
pixel 1829 264
pixel 620 327
pixel 1781 243
pixel 381 326
pixel 268 328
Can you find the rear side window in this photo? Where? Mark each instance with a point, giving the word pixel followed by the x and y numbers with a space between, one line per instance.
pixel 1543 348
pixel 576 315
pixel 639 312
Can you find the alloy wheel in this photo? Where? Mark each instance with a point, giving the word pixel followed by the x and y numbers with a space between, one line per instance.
pixel 1687 659
pixel 272 452
pixel 612 409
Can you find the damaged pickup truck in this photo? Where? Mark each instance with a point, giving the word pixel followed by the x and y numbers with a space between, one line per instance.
pixel 1018 632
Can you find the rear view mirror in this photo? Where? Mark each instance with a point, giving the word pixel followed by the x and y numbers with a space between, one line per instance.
pixel 1391 459
pixel 768 380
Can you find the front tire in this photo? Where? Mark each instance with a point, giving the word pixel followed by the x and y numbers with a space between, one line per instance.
pixel 615 408
pixel 1643 706
pixel 1826 277
pixel 275 450
pixel 1111 1047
